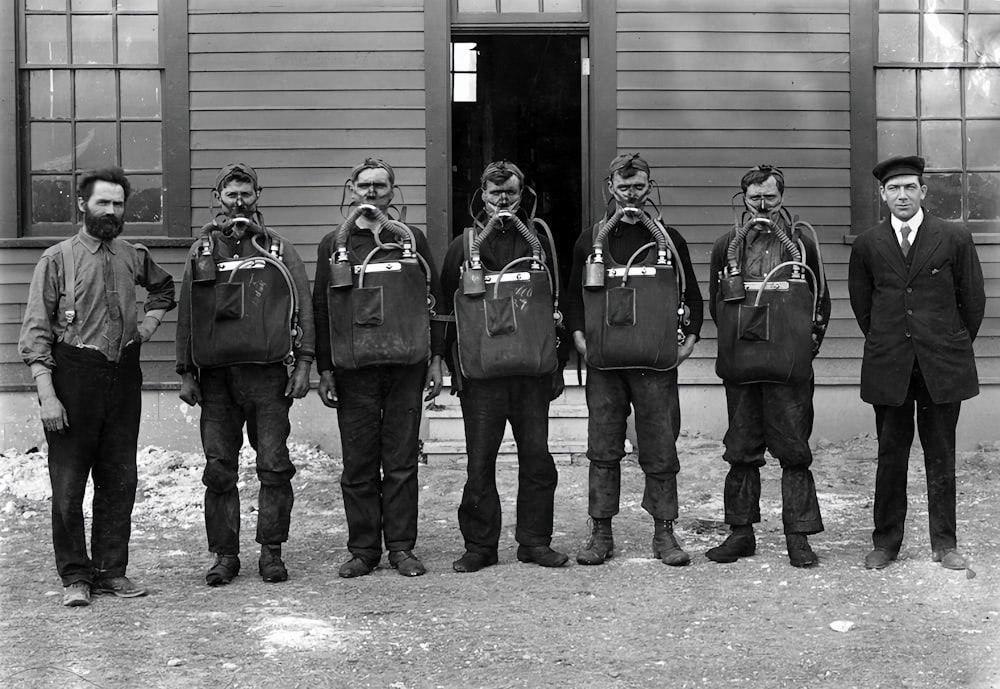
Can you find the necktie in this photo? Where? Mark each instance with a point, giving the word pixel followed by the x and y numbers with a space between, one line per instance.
pixel 904 232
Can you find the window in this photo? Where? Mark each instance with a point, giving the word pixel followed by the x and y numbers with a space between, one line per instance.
pixel 502 6
pixel 937 92
pixel 90 79
pixel 463 72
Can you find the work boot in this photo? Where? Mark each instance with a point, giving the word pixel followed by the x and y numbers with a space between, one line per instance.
pixel 601 544
pixel 799 552
pixel 541 555
pixel 224 570
pixel 739 543
pixel 272 569
pixel 665 546
pixel 406 563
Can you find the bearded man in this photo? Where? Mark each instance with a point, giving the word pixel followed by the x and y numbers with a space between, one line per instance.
pixel 81 337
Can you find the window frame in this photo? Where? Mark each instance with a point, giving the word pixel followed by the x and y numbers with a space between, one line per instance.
pixel 176 174
pixel 866 205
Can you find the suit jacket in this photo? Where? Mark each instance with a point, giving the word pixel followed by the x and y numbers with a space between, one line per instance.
pixel 926 314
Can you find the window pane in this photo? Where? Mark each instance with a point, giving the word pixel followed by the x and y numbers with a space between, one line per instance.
pixel 944 195
pixel 944 38
pixel 519 5
pixel 984 143
pixel 563 6
pixel 982 92
pixel 984 196
pixel 51 199
pixel 464 88
pixel 95 94
pixel 896 139
pixel 138 40
pixel 141 149
pixel 140 93
pixel 91 5
pixel 944 5
pixel 49 93
pixel 941 143
pixel 983 5
pixel 92 40
pixel 51 146
pixel 96 145
pixel 897 37
pixel 46 40
pixel 477 6
pixel 895 93
pixel 939 93
pixel 984 38
pixel 56 5
pixel 464 57
pixel 899 5
pixel 137 5
pixel 145 203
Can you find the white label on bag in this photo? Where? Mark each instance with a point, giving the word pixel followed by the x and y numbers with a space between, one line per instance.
pixel 642 271
pixel 389 267
pixel 241 263
pixel 509 277
pixel 776 286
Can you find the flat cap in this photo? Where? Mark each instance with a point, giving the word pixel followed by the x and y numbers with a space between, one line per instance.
pixel 899 165
pixel 231 169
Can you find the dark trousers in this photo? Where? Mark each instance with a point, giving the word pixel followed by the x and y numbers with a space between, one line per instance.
pixel 611 394
pixel 487 406
pixel 775 417
pixel 379 420
pixel 254 395
pixel 103 404
pixel 936 426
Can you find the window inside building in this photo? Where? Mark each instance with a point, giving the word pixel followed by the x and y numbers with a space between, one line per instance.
pixel 937 84
pixel 91 85
pixel 503 6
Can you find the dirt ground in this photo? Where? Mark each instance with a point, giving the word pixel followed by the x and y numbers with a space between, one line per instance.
pixel 631 623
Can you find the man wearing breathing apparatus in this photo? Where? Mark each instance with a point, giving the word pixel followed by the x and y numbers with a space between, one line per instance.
pixel 767 296
pixel 379 346
pixel 510 372
pixel 245 318
pixel 635 312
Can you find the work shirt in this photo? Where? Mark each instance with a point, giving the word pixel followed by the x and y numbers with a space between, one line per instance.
pixel 107 272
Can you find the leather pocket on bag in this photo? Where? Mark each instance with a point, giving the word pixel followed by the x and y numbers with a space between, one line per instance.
pixel 368 306
pixel 500 317
pixel 621 306
pixel 754 323
pixel 229 301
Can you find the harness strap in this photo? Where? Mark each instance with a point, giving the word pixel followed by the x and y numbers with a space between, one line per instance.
pixel 69 287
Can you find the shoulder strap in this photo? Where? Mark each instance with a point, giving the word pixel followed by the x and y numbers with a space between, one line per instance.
pixel 69 288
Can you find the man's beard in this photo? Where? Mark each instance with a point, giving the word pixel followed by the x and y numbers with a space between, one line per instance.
pixel 103 226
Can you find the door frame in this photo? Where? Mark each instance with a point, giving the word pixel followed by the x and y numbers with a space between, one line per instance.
pixel 598 112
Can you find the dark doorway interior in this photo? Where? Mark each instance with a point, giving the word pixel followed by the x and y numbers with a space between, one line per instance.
pixel 527 110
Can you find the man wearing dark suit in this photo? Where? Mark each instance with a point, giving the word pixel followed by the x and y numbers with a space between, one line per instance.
pixel 917 292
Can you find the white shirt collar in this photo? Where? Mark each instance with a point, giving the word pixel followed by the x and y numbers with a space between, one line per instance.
pixel 913 223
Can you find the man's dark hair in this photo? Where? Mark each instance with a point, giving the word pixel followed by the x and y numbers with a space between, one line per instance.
pixel 499 171
pixel 627 165
pixel 112 174
pixel 759 174
pixel 239 178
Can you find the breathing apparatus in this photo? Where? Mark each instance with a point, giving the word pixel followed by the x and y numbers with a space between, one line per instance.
pixel 381 303
pixel 625 322
pixel 766 326
pixel 507 319
pixel 240 314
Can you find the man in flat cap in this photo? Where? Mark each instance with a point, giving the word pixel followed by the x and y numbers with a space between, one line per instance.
pixel 917 292
pixel 245 344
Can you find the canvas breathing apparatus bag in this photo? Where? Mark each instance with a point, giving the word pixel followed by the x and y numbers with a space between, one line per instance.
pixel 766 326
pixel 380 304
pixel 506 319
pixel 633 312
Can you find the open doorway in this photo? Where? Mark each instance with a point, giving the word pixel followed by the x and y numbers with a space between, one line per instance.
pixel 519 97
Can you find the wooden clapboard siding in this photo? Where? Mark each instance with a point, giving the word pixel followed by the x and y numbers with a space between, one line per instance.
pixel 303 90
pixel 706 90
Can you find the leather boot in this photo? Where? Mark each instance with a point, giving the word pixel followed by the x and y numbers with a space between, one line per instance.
pixel 272 569
pixel 739 543
pixel 799 552
pixel 665 545
pixel 601 544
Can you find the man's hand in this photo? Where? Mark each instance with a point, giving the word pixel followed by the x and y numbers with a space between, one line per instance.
pixel 685 350
pixel 328 390
pixel 580 342
pixel 298 383
pixel 190 390
pixel 435 378
pixel 54 417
